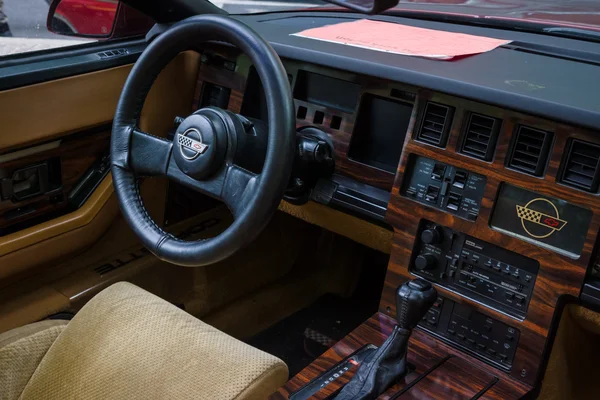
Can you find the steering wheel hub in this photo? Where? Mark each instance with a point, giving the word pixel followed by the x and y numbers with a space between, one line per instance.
pixel 200 143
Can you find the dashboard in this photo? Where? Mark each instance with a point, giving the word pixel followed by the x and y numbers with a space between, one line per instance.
pixel 486 168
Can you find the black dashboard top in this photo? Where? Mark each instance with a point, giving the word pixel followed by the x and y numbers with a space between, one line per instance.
pixel 538 74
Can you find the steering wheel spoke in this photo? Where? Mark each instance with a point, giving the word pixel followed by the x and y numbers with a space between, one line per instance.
pixel 211 187
pixel 239 186
pixel 232 185
pixel 148 154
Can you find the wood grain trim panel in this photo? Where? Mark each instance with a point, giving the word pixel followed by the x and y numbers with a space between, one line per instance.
pixel 61 225
pixel 426 354
pixel 558 275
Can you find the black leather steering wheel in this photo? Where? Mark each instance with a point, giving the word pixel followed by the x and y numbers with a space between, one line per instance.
pixel 201 156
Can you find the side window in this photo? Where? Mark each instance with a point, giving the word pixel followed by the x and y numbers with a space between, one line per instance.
pixel 36 25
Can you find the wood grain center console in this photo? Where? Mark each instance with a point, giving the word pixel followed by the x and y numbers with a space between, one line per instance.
pixel 438 371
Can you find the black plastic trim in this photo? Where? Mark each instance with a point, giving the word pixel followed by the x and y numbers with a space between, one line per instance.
pixel 590 295
pixel 352 196
pixel 27 69
pixel 557 101
pixel 509 100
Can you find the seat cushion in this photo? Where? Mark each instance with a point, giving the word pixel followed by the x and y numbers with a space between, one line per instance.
pixel 21 351
pixel 129 344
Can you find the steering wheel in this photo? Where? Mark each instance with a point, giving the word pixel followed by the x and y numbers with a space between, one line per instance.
pixel 201 155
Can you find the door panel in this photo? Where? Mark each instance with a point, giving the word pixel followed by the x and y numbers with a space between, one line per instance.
pixel 65 110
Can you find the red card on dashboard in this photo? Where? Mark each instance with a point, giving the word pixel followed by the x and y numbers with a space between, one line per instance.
pixel 403 39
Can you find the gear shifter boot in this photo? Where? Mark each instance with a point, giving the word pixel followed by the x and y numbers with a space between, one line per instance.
pixel 375 375
pixel 388 363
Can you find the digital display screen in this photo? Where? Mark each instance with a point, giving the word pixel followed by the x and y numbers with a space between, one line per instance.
pixel 379 132
pixel 545 221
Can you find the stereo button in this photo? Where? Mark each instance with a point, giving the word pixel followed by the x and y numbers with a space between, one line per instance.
pixel 425 262
pixel 433 235
pixel 520 300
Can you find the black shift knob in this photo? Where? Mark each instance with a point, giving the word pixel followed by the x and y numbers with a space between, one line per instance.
pixel 413 299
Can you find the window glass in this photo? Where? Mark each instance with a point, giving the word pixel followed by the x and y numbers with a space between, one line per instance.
pixel 23 24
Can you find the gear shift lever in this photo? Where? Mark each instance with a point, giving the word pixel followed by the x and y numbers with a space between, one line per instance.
pixel 388 363
pixel 413 300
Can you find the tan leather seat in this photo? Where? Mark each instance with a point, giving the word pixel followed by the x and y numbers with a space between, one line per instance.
pixel 129 344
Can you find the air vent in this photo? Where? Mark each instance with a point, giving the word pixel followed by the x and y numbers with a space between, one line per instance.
pixel 480 137
pixel 530 151
pixel 437 120
pixel 581 167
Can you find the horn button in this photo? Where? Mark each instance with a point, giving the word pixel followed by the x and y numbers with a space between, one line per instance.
pixel 200 144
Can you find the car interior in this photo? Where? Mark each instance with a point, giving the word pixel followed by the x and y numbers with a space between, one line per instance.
pixel 203 205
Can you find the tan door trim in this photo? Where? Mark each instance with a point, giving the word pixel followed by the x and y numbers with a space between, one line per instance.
pixel 58 226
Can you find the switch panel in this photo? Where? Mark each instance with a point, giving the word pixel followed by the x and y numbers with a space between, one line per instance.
pixel 473 332
pixel 444 187
pixel 476 269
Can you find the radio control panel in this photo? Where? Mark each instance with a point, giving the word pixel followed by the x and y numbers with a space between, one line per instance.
pixel 486 273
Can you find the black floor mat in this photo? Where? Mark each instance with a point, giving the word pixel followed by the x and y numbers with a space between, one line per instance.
pixel 305 335
pixel 292 339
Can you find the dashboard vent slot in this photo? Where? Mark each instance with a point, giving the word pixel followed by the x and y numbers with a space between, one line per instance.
pixel 480 137
pixel 582 166
pixel 436 123
pixel 530 150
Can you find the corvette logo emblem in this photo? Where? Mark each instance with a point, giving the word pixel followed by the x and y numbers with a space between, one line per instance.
pixel 540 218
pixel 189 146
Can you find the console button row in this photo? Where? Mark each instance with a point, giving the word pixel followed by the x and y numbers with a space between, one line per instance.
pixel 473 331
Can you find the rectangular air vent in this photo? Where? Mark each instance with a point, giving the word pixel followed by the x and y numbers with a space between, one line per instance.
pixel 480 137
pixel 581 166
pixel 435 125
pixel 530 150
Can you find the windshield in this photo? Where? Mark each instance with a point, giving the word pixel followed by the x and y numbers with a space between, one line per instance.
pixel 581 14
